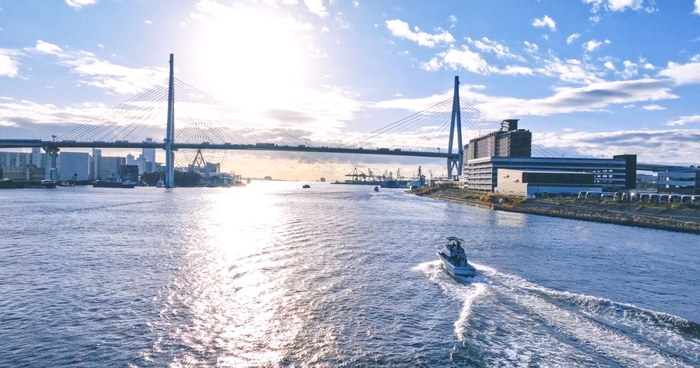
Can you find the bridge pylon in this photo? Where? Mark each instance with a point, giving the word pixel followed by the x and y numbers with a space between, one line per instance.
pixel 170 131
pixel 455 164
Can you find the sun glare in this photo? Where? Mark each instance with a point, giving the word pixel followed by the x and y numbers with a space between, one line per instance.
pixel 247 55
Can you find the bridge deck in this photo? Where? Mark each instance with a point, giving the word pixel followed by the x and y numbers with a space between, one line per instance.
pixel 28 143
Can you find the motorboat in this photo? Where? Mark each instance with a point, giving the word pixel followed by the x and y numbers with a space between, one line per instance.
pixel 306 186
pixel 454 258
pixel 376 189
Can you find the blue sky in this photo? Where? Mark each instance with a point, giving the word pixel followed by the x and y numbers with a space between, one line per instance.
pixel 587 77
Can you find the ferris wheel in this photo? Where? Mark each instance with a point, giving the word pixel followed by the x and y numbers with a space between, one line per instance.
pixel 197 159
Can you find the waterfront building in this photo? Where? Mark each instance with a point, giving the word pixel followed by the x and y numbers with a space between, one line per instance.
pixel 27 172
pixel 679 181
pixel 129 173
pixel 109 168
pixel 611 174
pixel 72 163
pixel 507 142
pixel 130 160
pixel 529 183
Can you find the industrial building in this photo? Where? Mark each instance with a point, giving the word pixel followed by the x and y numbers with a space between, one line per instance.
pixel 533 183
pixel 611 174
pixel 129 173
pixel 74 163
pixel 679 181
pixel 507 142
pixel 511 148
pixel 27 172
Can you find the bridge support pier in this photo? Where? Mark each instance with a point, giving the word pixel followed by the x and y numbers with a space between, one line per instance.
pixel 51 164
pixel 455 164
pixel 170 132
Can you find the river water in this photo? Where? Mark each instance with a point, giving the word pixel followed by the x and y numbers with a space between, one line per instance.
pixel 276 275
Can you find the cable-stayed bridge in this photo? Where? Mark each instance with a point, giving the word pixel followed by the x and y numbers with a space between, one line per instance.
pixel 206 123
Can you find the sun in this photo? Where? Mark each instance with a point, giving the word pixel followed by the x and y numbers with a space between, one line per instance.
pixel 247 54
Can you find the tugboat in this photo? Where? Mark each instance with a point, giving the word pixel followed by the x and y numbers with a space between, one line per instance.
pixel 454 258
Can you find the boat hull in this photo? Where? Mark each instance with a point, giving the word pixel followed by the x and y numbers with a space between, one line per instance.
pixel 462 271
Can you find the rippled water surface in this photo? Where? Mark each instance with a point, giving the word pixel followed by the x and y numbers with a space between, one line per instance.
pixel 276 275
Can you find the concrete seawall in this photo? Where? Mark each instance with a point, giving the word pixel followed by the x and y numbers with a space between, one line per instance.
pixel 662 217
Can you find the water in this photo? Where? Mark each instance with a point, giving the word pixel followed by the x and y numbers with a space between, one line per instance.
pixel 276 275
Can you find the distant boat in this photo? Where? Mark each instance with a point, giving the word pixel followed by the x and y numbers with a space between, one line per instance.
pixel 113 184
pixel 12 184
pixel 306 186
pixel 160 183
pixel 376 189
pixel 454 258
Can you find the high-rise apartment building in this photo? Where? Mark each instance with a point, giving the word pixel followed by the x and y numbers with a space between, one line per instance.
pixel 95 163
pixel 149 153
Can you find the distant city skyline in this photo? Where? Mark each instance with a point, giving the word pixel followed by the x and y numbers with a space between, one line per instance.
pixel 587 77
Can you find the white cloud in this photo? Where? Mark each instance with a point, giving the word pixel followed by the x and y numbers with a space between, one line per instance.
pixel 316 7
pixel 80 3
pixel 455 59
pixel 593 97
pixel 148 22
pixel 9 67
pixel 546 21
pixel 594 19
pixel 571 70
pixel 653 107
pixel 697 7
pixel 289 2
pixel 355 3
pixel 487 45
pixel 400 29
pixel 515 70
pixel 47 48
pixel 628 106
pixel 682 73
pixel 572 38
pixel 673 146
pixel 324 29
pixel 609 65
pixel 453 19
pixel 19 112
pixel 615 5
pixel 591 45
pixel 101 73
pixel 629 71
pixel 531 48
pixel 684 120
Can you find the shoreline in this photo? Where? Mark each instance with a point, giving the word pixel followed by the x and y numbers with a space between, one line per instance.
pixel 677 218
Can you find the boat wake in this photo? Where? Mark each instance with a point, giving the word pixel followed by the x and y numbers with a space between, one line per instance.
pixel 507 320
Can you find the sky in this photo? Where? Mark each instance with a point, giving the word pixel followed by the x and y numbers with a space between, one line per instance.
pixel 589 78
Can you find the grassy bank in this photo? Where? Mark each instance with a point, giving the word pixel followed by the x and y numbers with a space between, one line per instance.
pixel 674 217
